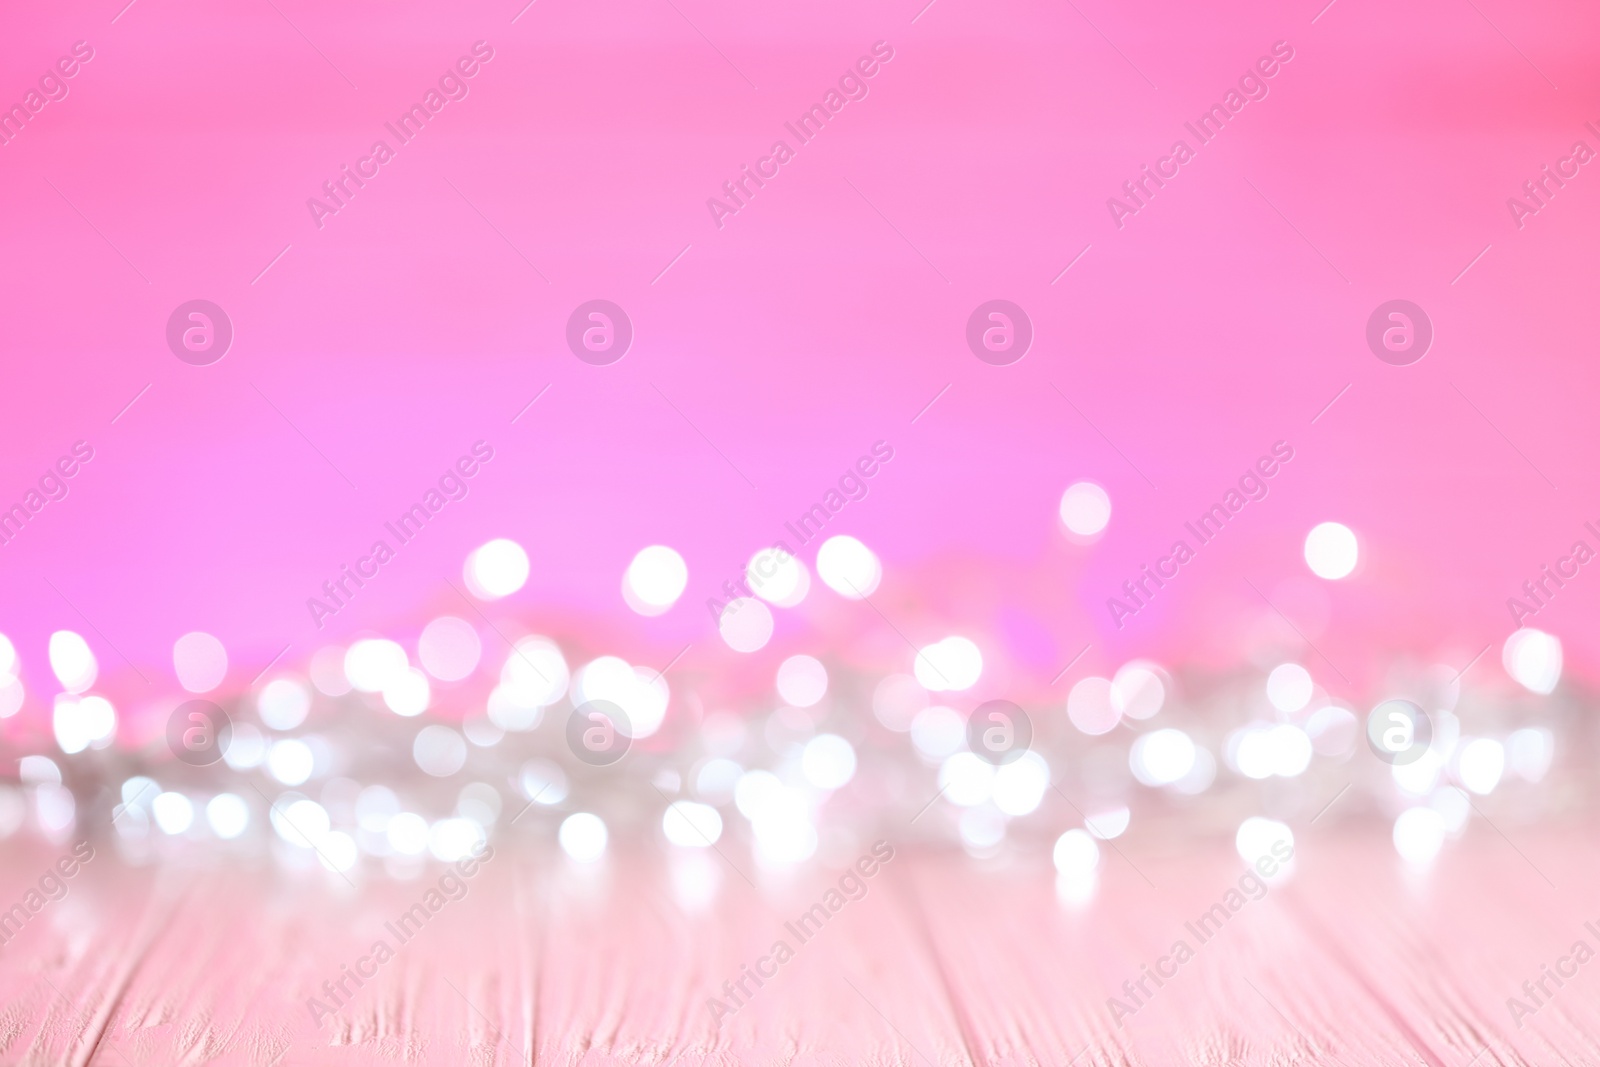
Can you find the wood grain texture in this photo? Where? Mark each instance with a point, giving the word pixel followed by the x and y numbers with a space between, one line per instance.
pixel 943 961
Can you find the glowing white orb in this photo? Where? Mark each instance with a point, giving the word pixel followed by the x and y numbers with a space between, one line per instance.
pixel 1260 836
pixel 938 731
pixel 967 779
pixel 173 812
pixel 1533 658
pixel 654 580
pixel 408 694
pixel 1137 690
pixel 372 664
pixel 496 569
pixel 1480 764
pixel 283 704
pixel 228 815
pixel 74 665
pixel 1331 550
pixel 1161 757
pixel 849 567
pixel 745 624
pixel 290 761
pixel 1020 784
pixel 1419 834
pixel 449 648
pixel 950 665
pixel 1091 708
pixel 688 824
pixel 200 661
pixel 1075 853
pixel 802 681
pixel 439 751
pixel 778 578
pixel 1289 687
pixel 583 836
pixel 828 761
pixel 1085 509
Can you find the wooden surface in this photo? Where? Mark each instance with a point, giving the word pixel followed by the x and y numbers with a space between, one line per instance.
pixel 944 961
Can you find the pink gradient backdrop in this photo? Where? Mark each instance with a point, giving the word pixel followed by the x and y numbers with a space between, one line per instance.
pixel 807 327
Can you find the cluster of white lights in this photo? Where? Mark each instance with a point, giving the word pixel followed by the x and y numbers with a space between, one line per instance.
pixel 640 692
pixel 1262 750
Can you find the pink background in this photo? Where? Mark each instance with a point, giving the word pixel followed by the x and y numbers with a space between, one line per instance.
pixel 807 327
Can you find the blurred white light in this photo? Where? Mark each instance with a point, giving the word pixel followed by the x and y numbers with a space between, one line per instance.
pixel 1291 750
pixel 327 671
pixel 967 779
pixel 1331 550
pixel 337 851
pixel 8 658
pixel 1419 834
pixel 408 834
pixel 453 839
pixel 13 810
pixel 938 732
pixel 1200 776
pixel 1161 757
pixel 372 664
pixel 246 749
pixel 200 661
pixel 654 580
pixel 1090 707
pixel 290 761
pixel 283 704
pixel 536 672
pixel 1419 776
pixel 1075 853
pixel 480 802
pixel 1533 658
pixel 950 665
pixel 38 770
pixel 496 569
pixel 640 692
pixel 1453 805
pixel 1107 823
pixel 848 567
pixel 543 782
pixel 691 825
pixel 138 791
pixel 1020 784
pixel 74 665
pixel 1289 687
pixel 174 813
pixel 828 761
pixel 449 648
pixel 83 721
pixel 1480 763
pixel 228 815
pixel 778 578
pixel 408 694
pixel 717 779
pixel 802 681
pixel 11 696
pixel 981 828
pixel 376 805
pixel 439 751
pixel 1137 690
pixel 896 701
pixel 1257 836
pixel 583 836
pixel 785 835
pixel 1085 509
pixel 1530 750
pixel 57 811
pixel 745 624
pixel 756 793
